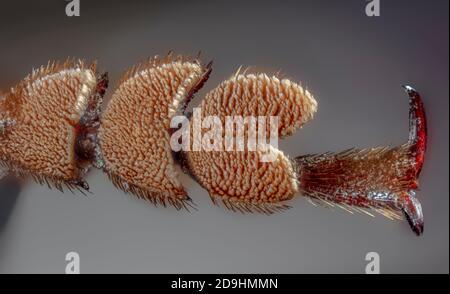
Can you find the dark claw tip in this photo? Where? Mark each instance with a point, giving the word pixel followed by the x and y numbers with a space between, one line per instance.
pixel 416 227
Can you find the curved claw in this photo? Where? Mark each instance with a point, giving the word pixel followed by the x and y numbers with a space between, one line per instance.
pixel 411 206
pixel 412 209
pixel 417 127
pixel 381 178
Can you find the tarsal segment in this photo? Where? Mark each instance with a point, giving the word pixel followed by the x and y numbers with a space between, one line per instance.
pixel 39 120
pixel 242 179
pixel 383 179
pixel 134 136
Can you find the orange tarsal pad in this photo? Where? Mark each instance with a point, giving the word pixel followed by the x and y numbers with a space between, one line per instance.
pixel 41 119
pixel 135 129
pixel 242 180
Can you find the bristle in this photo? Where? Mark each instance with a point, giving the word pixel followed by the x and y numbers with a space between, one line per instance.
pixel 244 207
pixel 55 67
pixel 154 62
pixel 155 197
pixel 49 181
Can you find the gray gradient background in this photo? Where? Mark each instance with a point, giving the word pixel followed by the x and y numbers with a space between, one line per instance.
pixel 353 64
